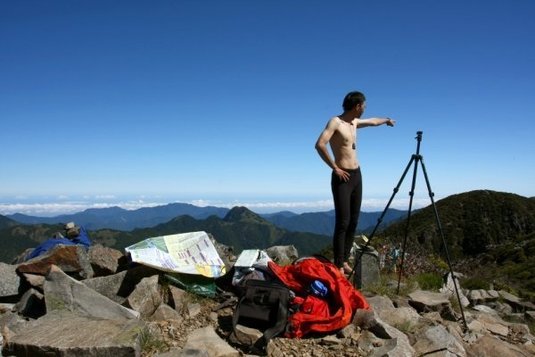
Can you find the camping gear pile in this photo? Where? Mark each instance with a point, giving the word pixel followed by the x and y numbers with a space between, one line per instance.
pixel 310 296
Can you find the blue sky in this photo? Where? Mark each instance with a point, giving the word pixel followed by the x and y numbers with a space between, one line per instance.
pixel 140 103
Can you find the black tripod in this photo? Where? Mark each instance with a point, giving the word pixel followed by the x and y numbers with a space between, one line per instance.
pixel 416 158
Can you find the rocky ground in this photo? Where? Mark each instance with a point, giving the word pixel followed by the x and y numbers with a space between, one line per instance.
pixel 73 302
pixel 174 335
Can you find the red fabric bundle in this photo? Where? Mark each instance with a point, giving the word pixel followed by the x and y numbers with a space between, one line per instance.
pixel 319 315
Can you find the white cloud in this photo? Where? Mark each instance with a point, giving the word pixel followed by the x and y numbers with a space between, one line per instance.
pixel 49 209
pixel 59 208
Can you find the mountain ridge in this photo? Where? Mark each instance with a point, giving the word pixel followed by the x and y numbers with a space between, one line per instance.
pixel 121 219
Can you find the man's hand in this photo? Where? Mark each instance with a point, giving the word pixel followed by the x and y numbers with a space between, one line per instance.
pixel 343 175
pixel 390 122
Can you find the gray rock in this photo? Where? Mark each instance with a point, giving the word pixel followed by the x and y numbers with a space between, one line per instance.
pixel 510 298
pixel 514 301
pixel 392 341
pixel 451 288
pixel 165 312
pixel 475 297
pixel 530 316
pixel 179 352
pixel 10 282
pixel 194 309
pixel 402 317
pixel 330 340
pixel 206 340
pixel 63 293
pixel 72 259
pixel 493 324
pixel 494 295
pixel 104 260
pixel 527 306
pixel 70 335
pixel 485 308
pixel 31 304
pixel 146 297
pixel 6 307
pixel 367 267
pixel 109 286
pixel 381 303
pixel 35 280
pixel 502 308
pixel 176 297
pixel 520 332
pixel 427 301
pixel 492 346
pixel 396 343
pixel 243 335
pixel 437 338
pixel 282 254
pixel 118 287
pixel 485 295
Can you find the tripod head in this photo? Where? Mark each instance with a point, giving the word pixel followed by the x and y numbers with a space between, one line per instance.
pixel 418 140
pixel 419 135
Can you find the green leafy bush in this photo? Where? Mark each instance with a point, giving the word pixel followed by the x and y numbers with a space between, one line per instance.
pixel 429 281
pixel 475 283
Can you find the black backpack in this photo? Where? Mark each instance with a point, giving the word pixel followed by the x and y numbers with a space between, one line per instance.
pixel 265 306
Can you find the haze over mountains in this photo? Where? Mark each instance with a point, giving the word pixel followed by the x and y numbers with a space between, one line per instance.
pixel 126 220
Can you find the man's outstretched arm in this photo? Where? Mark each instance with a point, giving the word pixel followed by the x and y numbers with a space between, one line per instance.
pixel 362 123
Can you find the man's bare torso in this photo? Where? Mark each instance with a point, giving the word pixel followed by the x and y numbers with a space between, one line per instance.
pixel 343 144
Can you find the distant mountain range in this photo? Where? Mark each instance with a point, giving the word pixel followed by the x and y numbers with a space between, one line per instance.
pixel 126 220
pixel 323 222
pixel 239 229
pixel 488 234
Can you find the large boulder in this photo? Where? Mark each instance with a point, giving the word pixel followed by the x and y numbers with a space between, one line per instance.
pixel 146 297
pixel 71 335
pixel 205 341
pixel 104 260
pixel 72 259
pixel 63 293
pixel 119 286
pixel 10 281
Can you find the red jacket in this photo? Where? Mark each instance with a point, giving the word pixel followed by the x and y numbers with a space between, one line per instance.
pixel 322 315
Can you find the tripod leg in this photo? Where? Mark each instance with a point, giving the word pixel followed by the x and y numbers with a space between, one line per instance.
pixel 380 219
pixel 411 194
pixel 439 225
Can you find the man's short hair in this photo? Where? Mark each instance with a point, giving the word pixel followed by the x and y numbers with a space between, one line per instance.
pixel 352 99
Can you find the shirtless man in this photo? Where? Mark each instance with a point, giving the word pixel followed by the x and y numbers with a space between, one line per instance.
pixel 346 179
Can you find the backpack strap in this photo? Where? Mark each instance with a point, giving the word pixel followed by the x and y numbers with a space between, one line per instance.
pixel 282 320
pixel 278 293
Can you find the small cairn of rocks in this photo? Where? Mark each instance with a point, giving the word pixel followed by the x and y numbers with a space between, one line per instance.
pixel 77 302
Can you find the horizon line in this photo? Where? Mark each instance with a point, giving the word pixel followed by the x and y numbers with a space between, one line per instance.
pixel 58 208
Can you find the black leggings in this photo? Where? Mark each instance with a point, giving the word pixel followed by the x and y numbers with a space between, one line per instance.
pixel 347 200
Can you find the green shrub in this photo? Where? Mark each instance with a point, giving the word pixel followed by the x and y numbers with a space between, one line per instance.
pixel 474 283
pixel 151 343
pixel 438 262
pixel 429 281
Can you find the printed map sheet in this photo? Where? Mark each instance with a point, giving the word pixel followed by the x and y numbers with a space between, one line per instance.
pixel 189 253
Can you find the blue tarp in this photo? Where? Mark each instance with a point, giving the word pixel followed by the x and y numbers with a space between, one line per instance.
pixel 81 239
